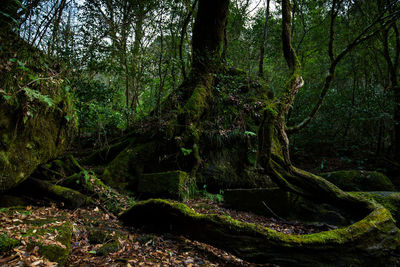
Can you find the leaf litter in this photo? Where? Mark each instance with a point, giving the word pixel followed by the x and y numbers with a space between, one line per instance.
pixel 133 247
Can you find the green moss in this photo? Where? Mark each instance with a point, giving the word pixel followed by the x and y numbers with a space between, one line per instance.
pixel 125 169
pixel 7 243
pixel 98 236
pixel 52 252
pixel 70 197
pixel 30 141
pixel 390 200
pixel 108 248
pixel 198 101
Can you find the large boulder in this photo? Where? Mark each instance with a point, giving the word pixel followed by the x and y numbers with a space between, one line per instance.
pixel 36 112
pixel 358 180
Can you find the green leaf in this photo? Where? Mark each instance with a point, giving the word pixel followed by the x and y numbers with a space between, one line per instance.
pixel 86 176
pixel 93 252
pixel 186 151
pixel 250 133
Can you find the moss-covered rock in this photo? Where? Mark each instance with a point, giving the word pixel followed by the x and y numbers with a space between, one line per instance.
pixel 7 243
pixel 390 200
pixel 164 184
pixel 57 250
pixel 108 248
pixel 49 236
pixel 358 180
pixel 37 119
pixel 98 236
pixel 367 242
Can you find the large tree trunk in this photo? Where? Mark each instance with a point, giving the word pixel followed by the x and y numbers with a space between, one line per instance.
pixel 208 34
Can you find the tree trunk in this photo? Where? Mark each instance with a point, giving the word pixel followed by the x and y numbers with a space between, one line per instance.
pixel 208 34
pixel 207 46
pixel 262 48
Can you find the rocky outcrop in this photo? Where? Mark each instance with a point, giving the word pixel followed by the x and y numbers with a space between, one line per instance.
pixel 36 113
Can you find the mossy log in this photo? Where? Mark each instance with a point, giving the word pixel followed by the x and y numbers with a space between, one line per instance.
pixel 368 242
pixel 44 189
pixel 58 169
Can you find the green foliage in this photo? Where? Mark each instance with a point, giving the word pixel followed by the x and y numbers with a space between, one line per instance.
pixel 186 151
pixel 99 110
pixel 32 95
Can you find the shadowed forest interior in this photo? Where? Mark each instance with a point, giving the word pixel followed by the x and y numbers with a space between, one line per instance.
pixel 200 133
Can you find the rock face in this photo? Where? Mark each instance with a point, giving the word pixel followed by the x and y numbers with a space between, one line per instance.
pixel 368 242
pixel 277 202
pixel 36 112
pixel 356 180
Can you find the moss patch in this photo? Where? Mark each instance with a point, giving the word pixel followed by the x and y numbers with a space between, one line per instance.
pixel 57 251
pixel 7 243
pixel 390 200
pixel 108 248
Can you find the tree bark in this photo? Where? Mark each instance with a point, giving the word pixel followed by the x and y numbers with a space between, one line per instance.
pixel 264 38
pixel 208 34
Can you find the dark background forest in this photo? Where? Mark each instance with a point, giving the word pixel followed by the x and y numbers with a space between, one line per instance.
pixel 200 132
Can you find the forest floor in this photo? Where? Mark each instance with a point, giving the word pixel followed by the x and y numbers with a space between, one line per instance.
pixel 93 229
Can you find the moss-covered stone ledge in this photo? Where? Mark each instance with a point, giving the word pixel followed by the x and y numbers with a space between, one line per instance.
pixel 367 242
pixel 359 180
pixel 390 200
pixel 164 184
